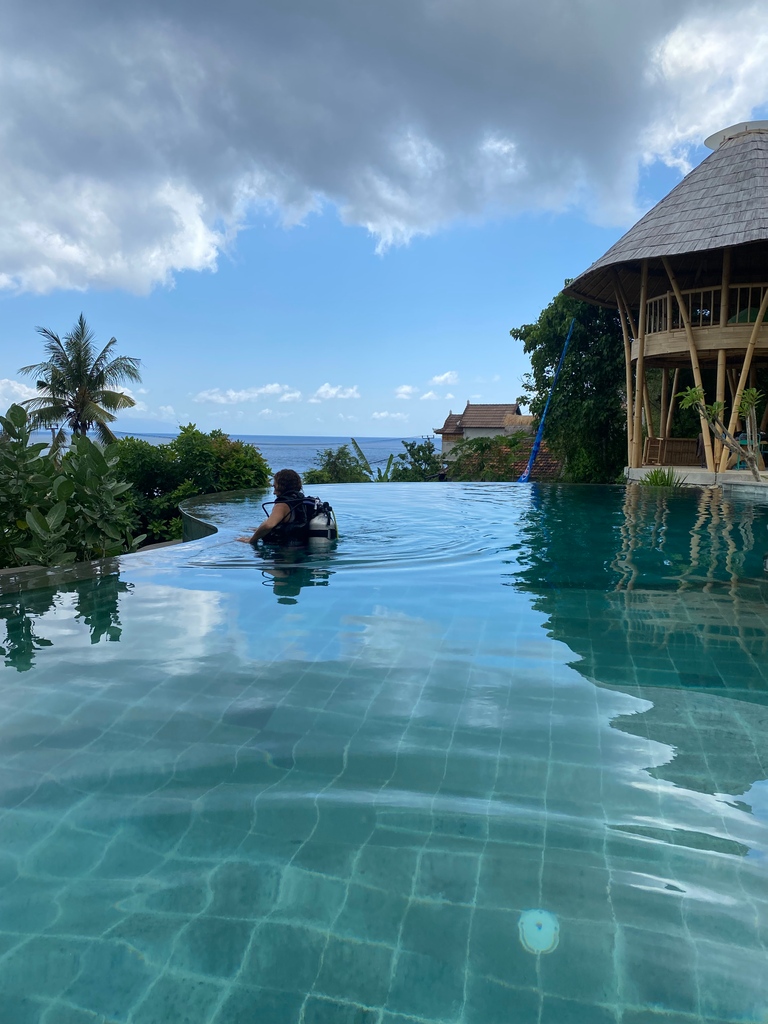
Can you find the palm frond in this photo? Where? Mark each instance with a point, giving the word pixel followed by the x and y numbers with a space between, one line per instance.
pixel 114 399
pixel 92 413
pixel 122 368
pixel 104 434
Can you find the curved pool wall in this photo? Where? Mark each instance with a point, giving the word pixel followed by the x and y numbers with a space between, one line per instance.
pixel 500 755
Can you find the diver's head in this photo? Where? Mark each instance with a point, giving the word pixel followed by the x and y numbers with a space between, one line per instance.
pixel 286 480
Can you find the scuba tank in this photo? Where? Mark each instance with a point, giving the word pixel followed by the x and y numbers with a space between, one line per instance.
pixel 321 523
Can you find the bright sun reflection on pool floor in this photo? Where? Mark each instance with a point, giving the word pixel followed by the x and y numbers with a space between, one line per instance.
pixel 500 756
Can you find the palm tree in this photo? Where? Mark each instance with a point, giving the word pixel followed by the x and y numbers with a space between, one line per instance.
pixel 76 386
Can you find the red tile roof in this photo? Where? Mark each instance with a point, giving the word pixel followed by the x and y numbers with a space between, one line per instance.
pixel 491 416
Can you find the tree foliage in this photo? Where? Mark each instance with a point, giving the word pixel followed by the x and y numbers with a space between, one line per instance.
pixel 58 511
pixel 76 384
pixel 419 461
pixel 192 463
pixel 586 422
pixel 337 466
pixel 487 458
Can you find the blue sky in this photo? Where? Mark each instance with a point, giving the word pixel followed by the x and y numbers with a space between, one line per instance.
pixel 345 251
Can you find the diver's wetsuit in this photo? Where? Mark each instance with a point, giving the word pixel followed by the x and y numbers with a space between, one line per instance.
pixel 294 529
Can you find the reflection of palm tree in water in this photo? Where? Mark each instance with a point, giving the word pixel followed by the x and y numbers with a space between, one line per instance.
pixel 96 604
pixel 290 571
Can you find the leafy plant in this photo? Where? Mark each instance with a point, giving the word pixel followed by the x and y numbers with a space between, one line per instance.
pixel 379 477
pixel 192 463
pixel 586 422
pixel 662 476
pixel 419 461
pixel 76 385
pixel 487 458
pixel 693 398
pixel 338 466
pixel 54 512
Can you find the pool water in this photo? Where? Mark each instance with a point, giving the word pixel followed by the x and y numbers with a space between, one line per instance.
pixel 500 757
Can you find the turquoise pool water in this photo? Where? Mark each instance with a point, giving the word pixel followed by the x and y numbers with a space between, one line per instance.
pixel 500 757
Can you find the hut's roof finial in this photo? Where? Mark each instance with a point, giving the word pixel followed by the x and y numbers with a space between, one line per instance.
pixel 742 128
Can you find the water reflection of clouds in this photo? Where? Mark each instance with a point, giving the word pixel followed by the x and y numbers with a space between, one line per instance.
pixel 41 621
pixel 391 637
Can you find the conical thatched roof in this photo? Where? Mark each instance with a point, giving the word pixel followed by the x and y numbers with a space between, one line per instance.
pixel 722 202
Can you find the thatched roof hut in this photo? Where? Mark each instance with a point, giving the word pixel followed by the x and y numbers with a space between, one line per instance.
pixel 690 280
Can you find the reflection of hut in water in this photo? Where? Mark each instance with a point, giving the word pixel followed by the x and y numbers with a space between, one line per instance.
pixel 666 613
pixel 689 281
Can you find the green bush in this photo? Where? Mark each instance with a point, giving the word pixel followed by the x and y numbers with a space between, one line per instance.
pixel 487 458
pixel 55 512
pixel 419 461
pixel 337 466
pixel 192 463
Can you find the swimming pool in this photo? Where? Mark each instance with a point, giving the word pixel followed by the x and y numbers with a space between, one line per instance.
pixel 499 757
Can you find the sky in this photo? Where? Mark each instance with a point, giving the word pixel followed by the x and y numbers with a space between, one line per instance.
pixel 324 218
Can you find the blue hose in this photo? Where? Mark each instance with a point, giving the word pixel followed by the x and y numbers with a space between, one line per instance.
pixel 526 474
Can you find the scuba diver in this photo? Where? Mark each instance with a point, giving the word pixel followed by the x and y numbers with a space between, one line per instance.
pixel 295 518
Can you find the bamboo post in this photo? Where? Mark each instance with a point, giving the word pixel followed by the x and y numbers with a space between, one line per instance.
pixel 637 430
pixel 694 358
pixel 725 284
pixel 720 396
pixel 745 372
pixel 664 401
pixel 648 411
pixel 628 375
pixel 672 403
pixel 733 382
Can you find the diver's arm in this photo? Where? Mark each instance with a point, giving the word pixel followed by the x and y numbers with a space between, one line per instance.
pixel 279 512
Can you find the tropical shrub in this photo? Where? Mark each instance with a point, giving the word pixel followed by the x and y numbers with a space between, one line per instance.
pixel 58 511
pixel 192 463
pixel 338 466
pixel 419 461
pixel 586 423
pixel 487 458
pixel 662 476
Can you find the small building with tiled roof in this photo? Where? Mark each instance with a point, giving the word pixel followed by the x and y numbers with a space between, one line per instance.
pixel 482 420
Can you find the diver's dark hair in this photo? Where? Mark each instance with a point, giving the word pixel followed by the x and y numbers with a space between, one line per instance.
pixel 287 480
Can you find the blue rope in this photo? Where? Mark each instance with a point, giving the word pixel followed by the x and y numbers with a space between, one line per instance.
pixel 525 476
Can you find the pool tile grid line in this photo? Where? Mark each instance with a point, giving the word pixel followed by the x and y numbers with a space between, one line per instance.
pixel 359 853
pixel 248 951
pixel 480 858
pixel 413 896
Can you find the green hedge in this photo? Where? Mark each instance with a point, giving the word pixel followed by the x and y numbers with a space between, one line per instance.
pixel 193 463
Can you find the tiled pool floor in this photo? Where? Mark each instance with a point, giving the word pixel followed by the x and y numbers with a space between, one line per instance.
pixel 335 811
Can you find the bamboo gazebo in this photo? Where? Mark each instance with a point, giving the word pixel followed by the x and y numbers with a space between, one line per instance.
pixel 690 281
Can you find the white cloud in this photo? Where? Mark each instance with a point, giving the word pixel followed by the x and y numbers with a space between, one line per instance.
pixel 450 377
pixel 402 416
pixel 206 114
pixel 290 396
pixel 326 391
pixel 405 391
pixel 167 413
pixel 348 418
pixel 233 397
pixel 429 395
pixel 12 392
pixel 449 395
